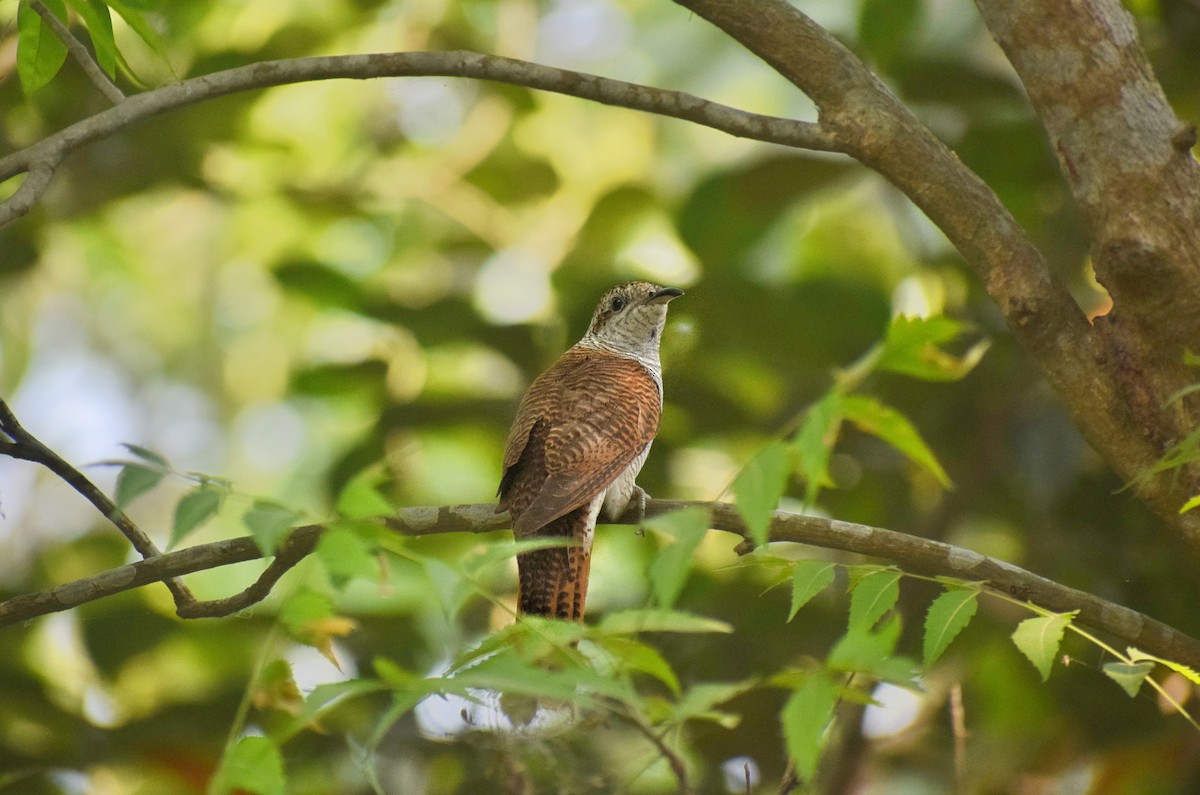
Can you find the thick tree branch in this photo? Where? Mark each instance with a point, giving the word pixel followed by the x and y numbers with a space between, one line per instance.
pixel 1127 160
pixel 1097 380
pixel 676 104
pixel 914 554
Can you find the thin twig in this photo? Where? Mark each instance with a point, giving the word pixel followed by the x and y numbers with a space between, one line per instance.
pixel 27 447
pixel 90 68
pixel 677 763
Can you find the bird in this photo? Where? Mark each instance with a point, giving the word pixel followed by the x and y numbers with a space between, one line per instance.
pixel 581 434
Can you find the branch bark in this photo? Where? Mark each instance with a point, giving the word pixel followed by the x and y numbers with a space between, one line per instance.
pixel 912 553
pixel 676 104
pixel 1109 388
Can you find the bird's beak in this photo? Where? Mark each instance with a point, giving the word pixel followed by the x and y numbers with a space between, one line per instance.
pixel 664 295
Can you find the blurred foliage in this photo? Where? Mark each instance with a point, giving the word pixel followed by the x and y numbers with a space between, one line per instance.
pixel 325 299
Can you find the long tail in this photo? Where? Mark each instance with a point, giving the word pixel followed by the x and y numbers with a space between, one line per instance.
pixel 554 581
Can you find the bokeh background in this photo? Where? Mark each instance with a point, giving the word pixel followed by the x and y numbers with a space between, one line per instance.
pixel 291 287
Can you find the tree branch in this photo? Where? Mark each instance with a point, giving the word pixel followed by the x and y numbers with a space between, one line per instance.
pixel 676 104
pixel 90 68
pixel 1097 381
pixel 914 554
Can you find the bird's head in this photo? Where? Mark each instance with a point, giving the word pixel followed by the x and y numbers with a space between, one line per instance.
pixel 630 317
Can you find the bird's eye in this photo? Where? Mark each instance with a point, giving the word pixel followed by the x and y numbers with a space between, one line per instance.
pixel 618 304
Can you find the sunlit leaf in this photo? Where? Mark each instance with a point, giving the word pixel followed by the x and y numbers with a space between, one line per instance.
pixel 947 616
pixel 1129 676
pixel 1039 638
pixel 40 53
pixel 194 509
pixel 809 578
pixel 1190 504
pixel 759 486
pixel 872 596
pixel 345 555
pixel 268 523
pixel 912 348
pixel 671 565
pixel 814 443
pixel 625 622
pixel 138 23
pixel 1137 655
pixel 360 497
pixel 872 652
pixel 806 715
pixel 885 422
pixel 253 765
pixel 135 480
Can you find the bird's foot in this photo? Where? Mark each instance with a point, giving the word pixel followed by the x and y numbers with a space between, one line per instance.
pixel 639 498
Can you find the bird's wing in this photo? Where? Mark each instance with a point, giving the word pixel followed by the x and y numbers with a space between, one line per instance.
pixel 580 425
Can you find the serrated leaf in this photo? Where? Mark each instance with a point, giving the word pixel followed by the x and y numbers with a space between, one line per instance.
pixel 98 21
pixel 805 717
pixel 627 622
pixel 268 523
pixel 758 488
pixel 40 53
pixel 809 578
pixel 1129 676
pixel 671 566
pixel 638 656
pixel 888 424
pixel 253 765
pixel 911 348
pixel 135 480
pixel 700 702
pixel 1137 655
pixel 1039 639
pixel 345 555
pixel 947 616
pixel 870 651
pixel 814 443
pixel 871 597
pixel 194 509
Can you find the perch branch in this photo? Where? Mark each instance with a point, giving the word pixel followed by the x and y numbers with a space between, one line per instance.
pixel 90 68
pixel 676 104
pixel 914 554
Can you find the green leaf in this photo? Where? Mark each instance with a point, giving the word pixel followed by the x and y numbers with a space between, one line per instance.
pixel 700 702
pixel 98 20
pixel 303 609
pixel 759 486
pixel 1137 655
pixel 806 715
pixel 133 17
pixel 360 498
pixel 888 424
pixel 1190 504
pixel 814 443
pixel 948 615
pixel 40 53
pixel 1129 675
pixel 911 348
pixel 269 522
pixel 345 555
pixel 872 596
pixel 1039 638
pixel 670 568
pixel 135 480
pixel 253 765
pixel 194 509
pixel 870 652
pixel 638 656
pixel 809 578
pixel 149 456
pixel 627 622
